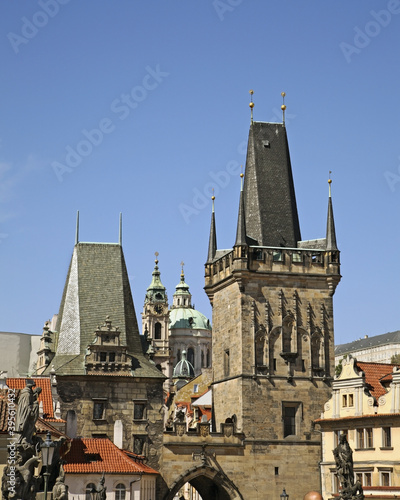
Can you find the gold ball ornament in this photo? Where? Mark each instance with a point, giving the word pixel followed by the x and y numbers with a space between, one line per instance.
pixel 283 107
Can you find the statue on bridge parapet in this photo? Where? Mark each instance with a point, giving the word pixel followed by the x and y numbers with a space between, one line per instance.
pixel 351 490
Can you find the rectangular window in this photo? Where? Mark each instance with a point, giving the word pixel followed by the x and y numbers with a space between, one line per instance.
pixel 344 400
pixel 365 438
pixel 98 410
pixel 138 444
pixel 386 437
pixel 385 478
pixel 351 399
pixel 369 438
pixel 226 363
pixel 297 257
pixel 277 256
pixel 291 418
pixel 365 478
pixel 103 357
pixel 139 410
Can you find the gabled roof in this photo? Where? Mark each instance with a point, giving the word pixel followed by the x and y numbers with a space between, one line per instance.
pixel 97 455
pixel 269 198
pixel 368 342
pixel 375 374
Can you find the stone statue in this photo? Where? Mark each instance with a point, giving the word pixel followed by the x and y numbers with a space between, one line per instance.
pixel 27 411
pixel 60 489
pixel 99 492
pixel 344 468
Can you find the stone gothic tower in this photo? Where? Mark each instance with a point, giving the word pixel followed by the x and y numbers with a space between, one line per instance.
pixel 273 342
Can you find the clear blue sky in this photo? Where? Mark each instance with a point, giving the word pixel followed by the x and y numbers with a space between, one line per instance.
pixel 167 83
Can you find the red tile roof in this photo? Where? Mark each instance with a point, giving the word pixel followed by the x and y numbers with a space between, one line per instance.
pixel 45 395
pixel 96 455
pixel 375 373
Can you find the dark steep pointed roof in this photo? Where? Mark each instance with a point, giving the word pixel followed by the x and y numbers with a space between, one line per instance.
pixel 330 229
pixel 269 197
pixel 97 286
pixel 241 223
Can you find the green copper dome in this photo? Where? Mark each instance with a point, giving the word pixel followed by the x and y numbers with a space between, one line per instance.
pixel 186 317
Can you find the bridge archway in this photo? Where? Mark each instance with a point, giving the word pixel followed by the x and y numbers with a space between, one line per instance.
pixel 212 484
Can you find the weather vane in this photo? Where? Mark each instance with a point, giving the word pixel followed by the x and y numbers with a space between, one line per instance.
pixel 251 92
pixel 283 107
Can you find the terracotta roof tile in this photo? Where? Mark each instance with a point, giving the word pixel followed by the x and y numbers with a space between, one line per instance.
pixel 45 395
pixel 96 455
pixel 375 374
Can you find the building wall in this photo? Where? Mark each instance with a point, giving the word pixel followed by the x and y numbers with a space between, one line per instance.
pixel 119 395
pixel 377 354
pixel 21 353
pixel 137 487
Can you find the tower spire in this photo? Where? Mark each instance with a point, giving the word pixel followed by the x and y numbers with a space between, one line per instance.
pixel 251 105
pixel 120 229
pixel 241 224
pixel 283 107
pixel 331 244
pixel 77 228
pixel 212 243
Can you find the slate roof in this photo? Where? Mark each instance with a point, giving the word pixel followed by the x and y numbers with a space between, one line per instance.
pixel 366 343
pixel 97 286
pixel 96 455
pixel 269 196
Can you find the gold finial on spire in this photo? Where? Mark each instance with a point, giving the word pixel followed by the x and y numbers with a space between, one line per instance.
pixel 241 178
pixel 182 273
pixel 251 92
pixel 156 254
pixel 213 198
pixel 283 107
pixel 330 182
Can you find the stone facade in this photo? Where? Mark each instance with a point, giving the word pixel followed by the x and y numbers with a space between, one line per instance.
pixel 97 403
